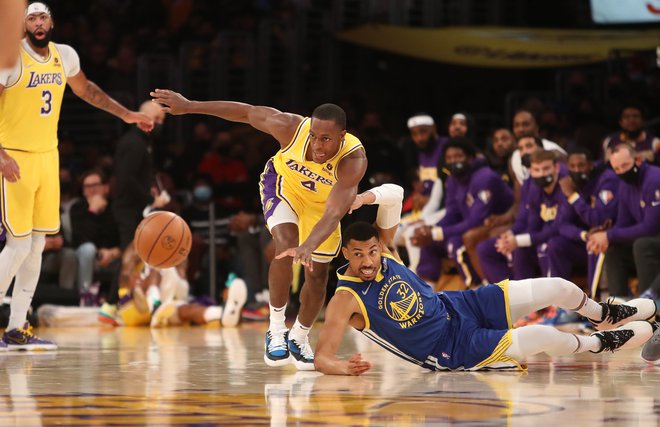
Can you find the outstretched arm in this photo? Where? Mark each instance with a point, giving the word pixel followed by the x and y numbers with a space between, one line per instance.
pixel 282 126
pixel 94 95
pixel 349 173
pixel 389 198
pixel 337 316
pixel 12 20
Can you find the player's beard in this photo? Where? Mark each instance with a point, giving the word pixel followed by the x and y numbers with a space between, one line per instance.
pixel 40 42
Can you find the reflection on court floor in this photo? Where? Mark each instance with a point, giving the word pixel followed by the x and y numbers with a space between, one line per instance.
pixel 214 376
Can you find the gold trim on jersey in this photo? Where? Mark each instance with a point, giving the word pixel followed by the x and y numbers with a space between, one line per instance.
pixel 20 74
pixel 504 285
pixel 367 324
pixel 356 147
pixel 295 136
pixel 497 356
pixel 328 254
pixel 392 258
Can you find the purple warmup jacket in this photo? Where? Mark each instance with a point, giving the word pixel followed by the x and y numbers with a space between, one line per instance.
pixel 639 207
pixel 471 200
pixel 428 164
pixel 538 210
pixel 597 203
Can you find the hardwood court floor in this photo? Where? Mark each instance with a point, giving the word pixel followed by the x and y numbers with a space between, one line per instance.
pixel 214 376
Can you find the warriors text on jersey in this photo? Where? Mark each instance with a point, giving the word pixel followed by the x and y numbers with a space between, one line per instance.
pixel 447 330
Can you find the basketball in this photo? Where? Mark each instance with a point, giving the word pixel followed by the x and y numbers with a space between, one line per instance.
pixel 163 239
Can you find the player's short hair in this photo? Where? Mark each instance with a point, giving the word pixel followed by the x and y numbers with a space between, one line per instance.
pixel 583 152
pixel 360 231
pixel 543 155
pixel 462 143
pixel 538 141
pixel 331 112
pixel 625 146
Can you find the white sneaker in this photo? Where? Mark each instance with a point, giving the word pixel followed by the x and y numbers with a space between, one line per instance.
pixel 630 335
pixel 277 351
pixel 301 354
pixel 162 314
pixel 236 299
pixel 615 315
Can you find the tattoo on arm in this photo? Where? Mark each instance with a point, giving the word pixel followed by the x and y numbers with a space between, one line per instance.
pixel 95 96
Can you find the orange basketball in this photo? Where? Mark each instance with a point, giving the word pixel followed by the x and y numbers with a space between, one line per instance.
pixel 163 239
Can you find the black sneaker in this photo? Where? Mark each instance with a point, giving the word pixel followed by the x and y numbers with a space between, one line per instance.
pixel 631 335
pixel 615 315
pixel 651 350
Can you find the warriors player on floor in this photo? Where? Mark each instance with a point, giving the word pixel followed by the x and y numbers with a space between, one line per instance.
pixel 470 330
pixel 306 188
pixel 30 98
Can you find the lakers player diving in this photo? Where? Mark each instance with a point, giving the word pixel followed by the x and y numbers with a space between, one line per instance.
pixel 306 188
pixel 30 98
pixel 460 330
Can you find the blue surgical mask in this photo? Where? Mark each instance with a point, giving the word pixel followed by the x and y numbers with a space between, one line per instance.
pixel 203 193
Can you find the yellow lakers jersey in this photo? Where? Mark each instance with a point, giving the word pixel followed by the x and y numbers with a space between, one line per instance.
pixel 304 181
pixel 30 107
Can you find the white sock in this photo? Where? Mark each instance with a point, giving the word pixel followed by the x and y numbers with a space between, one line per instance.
pixel 27 277
pixel 298 331
pixel 11 259
pixel 213 312
pixel 277 318
pixel 591 309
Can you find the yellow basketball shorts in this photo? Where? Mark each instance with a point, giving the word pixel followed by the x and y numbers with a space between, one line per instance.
pixel 32 204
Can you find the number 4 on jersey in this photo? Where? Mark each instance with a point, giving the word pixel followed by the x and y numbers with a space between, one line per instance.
pixel 310 185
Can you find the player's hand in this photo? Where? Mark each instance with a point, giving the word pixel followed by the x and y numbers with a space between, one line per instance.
pixel 142 121
pixel 172 102
pixel 301 254
pixel 506 244
pixel 357 366
pixel 161 198
pixel 422 236
pixel 597 243
pixel 567 186
pixel 9 167
pixel 54 242
pixel 362 199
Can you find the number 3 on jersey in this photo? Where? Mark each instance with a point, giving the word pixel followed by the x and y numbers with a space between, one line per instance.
pixel 47 97
pixel 310 185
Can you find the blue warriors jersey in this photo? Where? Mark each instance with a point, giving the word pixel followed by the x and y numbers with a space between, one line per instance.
pixel 447 330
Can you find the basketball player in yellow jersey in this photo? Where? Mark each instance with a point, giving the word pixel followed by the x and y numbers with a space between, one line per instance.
pixel 306 188
pixel 30 99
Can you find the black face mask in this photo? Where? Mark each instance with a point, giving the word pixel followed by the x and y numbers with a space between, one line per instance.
pixel 544 181
pixel 631 176
pixel 459 169
pixel 634 134
pixel 580 178
pixel 526 160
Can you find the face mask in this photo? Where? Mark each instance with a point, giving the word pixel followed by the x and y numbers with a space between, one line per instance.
pixel 544 181
pixel 634 134
pixel 631 176
pixel 579 178
pixel 526 160
pixel 203 193
pixel 458 169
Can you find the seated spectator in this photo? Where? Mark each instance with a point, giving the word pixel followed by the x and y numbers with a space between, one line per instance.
pixel 638 217
pixel 474 191
pixel 632 132
pixel 524 244
pixel 94 232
